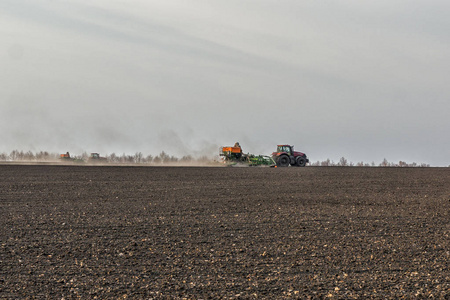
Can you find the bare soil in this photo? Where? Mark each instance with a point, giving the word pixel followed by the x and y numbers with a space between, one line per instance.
pixel 189 232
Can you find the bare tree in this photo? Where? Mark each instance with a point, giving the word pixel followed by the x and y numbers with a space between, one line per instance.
pixel 123 158
pixel 402 164
pixel 157 160
pixel 186 159
pixel 42 156
pixel 149 159
pixel 165 158
pixel 343 162
pixel 113 158
pixel 384 163
pixel 138 157
pixel 4 157
pixel 29 156
pixel 84 156
pixel 14 155
pixel 325 163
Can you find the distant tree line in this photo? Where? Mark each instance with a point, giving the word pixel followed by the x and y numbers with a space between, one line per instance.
pixel 137 158
pixel 17 155
pixel 343 162
pixel 162 158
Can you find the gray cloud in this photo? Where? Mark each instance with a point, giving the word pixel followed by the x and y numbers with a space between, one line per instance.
pixel 360 80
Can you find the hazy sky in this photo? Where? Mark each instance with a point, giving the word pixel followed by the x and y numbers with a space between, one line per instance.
pixel 366 80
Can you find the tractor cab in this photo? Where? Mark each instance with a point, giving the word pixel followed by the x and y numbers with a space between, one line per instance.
pixel 285 148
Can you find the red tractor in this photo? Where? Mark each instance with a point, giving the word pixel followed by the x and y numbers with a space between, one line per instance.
pixel 286 156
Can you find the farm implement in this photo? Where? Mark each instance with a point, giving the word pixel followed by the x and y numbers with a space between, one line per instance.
pixel 94 158
pixel 67 158
pixel 234 156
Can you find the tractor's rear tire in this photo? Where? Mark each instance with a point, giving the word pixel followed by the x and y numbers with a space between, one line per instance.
pixel 301 162
pixel 283 161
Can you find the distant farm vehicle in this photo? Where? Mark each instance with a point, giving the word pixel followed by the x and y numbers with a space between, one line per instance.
pixel 286 156
pixel 95 157
pixel 65 156
pixel 235 156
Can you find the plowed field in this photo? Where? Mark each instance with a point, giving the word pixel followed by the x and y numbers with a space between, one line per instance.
pixel 186 232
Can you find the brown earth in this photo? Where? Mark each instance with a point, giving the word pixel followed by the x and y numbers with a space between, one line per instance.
pixel 148 232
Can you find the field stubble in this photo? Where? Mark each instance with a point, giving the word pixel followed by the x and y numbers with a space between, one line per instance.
pixel 177 232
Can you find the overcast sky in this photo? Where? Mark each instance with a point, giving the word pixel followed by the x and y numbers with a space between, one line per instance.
pixel 366 80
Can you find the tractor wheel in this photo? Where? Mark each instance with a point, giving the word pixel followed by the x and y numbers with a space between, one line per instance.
pixel 283 161
pixel 301 162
